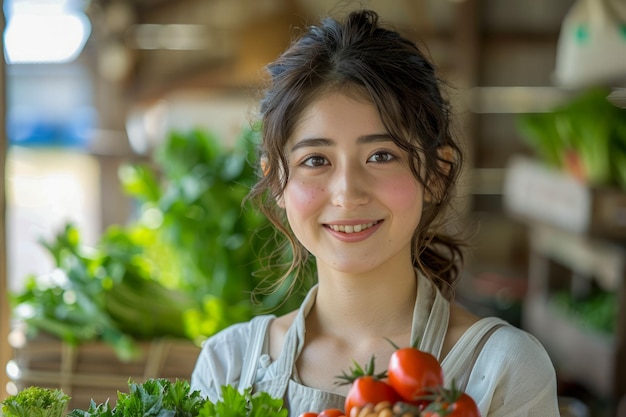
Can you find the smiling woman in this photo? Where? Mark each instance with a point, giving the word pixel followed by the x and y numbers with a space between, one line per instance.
pixel 359 168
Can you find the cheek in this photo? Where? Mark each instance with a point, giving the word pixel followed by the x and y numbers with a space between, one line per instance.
pixel 301 197
pixel 404 194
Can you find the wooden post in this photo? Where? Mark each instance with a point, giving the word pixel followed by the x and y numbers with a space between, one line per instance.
pixel 467 50
pixel 5 350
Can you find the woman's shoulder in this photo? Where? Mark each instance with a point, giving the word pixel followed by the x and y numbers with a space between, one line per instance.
pixel 517 371
pixel 229 345
pixel 237 334
pixel 222 356
pixel 515 341
pixel 498 346
pixel 515 353
pixel 497 335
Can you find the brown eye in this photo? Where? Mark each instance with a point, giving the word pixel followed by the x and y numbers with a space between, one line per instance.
pixel 315 161
pixel 381 157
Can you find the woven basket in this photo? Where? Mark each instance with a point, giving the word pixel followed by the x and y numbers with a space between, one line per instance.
pixel 92 371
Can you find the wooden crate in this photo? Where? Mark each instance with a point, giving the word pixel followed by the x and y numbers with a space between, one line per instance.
pixel 538 193
pixel 92 371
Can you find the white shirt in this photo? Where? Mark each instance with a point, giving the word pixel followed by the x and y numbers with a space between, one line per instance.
pixel 511 375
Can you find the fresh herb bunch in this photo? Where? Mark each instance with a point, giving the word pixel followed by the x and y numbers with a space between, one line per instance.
pixel 35 401
pixel 156 397
pixel 244 404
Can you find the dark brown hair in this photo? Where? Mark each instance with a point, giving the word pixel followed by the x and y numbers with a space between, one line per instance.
pixel 358 55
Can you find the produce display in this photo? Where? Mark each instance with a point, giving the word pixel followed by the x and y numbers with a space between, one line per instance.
pixel 156 397
pixel 412 386
pixel 585 137
pixel 596 311
pixel 183 267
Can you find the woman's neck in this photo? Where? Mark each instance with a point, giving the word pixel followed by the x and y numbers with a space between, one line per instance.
pixel 365 305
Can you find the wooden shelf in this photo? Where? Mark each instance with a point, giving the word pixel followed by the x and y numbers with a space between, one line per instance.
pixel 577 354
pixel 588 257
pixel 595 360
pixel 537 193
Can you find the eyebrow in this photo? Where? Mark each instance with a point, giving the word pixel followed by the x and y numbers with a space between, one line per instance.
pixel 312 142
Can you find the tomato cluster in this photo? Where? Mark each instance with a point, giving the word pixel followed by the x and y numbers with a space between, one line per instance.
pixel 412 385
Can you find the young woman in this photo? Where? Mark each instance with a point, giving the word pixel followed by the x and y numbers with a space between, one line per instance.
pixel 358 167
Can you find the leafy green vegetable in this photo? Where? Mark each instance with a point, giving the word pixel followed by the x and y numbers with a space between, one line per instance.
pixel 185 268
pixel 244 404
pixel 159 397
pixel 108 292
pixel 207 243
pixel 595 311
pixel 137 302
pixel 194 203
pixel 94 410
pixel 34 401
pixel 156 397
pixel 69 302
pixel 585 137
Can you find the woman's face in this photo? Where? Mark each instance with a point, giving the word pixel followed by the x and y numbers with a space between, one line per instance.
pixel 351 198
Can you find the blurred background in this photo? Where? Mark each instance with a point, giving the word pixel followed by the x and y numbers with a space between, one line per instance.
pixel 111 105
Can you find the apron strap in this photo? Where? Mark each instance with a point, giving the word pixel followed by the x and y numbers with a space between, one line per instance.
pixel 437 326
pixel 292 346
pixel 258 332
pixel 470 345
pixel 430 317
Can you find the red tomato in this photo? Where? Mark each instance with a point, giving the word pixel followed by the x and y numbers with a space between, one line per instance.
pixel 309 414
pixel 461 406
pixel 331 412
pixel 369 390
pixel 413 373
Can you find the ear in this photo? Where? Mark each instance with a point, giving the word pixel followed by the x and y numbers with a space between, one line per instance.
pixel 445 160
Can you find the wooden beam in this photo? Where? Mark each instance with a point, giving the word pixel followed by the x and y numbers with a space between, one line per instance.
pixel 466 68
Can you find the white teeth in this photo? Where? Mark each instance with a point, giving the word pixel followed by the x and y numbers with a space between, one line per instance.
pixel 351 228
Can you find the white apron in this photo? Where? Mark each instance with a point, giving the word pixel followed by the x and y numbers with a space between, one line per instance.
pixel 430 323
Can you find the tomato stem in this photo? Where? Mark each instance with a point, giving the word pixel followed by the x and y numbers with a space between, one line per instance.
pixel 357 371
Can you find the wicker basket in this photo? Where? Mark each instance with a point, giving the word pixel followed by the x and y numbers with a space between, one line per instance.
pixel 92 371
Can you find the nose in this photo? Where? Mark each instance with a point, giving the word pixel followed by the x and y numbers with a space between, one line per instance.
pixel 349 188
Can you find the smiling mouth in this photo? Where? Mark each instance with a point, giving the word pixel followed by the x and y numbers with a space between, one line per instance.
pixel 351 228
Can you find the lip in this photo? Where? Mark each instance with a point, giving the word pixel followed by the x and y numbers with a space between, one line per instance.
pixel 354 236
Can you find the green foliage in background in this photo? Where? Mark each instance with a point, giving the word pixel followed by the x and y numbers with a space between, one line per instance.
pixel 207 241
pixel 185 267
pixel 107 293
pixel 597 311
pixel 585 136
pixel 193 198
